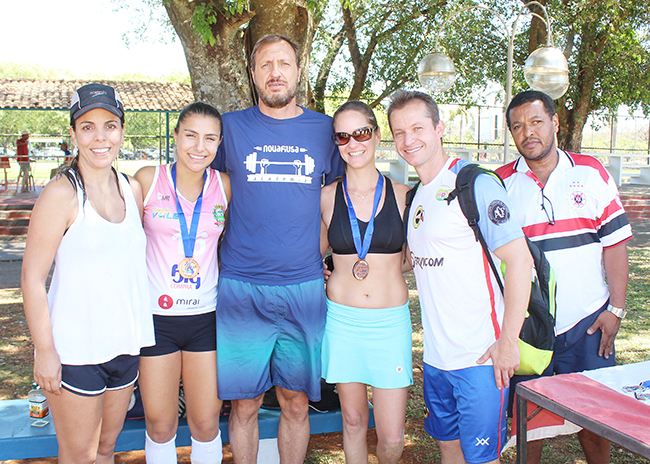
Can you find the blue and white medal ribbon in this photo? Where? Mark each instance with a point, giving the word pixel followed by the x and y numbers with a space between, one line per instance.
pixel 360 269
pixel 189 267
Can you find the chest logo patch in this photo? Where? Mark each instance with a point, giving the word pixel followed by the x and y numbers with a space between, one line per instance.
pixel 498 212
pixel 577 196
pixel 442 194
pixel 219 215
pixel 418 217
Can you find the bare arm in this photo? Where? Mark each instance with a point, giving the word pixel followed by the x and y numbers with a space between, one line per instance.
pixel 617 269
pixel 505 351
pixel 53 213
pixel 227 187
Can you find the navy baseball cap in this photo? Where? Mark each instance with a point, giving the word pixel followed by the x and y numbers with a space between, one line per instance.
pixel 92 96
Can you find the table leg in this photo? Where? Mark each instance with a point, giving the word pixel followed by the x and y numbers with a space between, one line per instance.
pixel 522 429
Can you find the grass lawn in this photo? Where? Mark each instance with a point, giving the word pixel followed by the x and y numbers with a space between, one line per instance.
pixel 632 345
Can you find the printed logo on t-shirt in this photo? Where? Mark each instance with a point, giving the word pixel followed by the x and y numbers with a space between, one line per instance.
pixel 425 261
pixel 498 212
pixel 162 197
pixel 165 301
pixel 163 213
pixel 442 194
pixel 577 196
pixel 418 217
pixel 266 166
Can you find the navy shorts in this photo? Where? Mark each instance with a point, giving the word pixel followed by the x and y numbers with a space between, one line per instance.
pixel 95 379
pixel 183 333
pixel 575 351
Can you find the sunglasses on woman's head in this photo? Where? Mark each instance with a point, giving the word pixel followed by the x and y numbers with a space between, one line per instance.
pixel 360 135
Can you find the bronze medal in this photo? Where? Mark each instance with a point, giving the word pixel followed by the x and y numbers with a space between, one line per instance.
pixel 188 268
pixel 360 269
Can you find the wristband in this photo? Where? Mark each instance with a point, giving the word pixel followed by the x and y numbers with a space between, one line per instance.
pixel 618 312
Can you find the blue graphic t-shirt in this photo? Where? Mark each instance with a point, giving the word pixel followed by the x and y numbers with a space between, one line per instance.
pixel 276 167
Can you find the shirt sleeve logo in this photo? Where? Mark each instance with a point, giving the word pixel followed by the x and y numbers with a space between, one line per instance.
pixel 498 212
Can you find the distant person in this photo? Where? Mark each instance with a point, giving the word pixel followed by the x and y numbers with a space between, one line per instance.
pixel 22 156
pixel 271 281
pixel 89 327
pixel 183 271
pixel 471 331
pixel 367 339
pixel 67 160
pixel 568 204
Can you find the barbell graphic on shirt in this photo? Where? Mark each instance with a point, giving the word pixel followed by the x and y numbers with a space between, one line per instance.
pixel 252 162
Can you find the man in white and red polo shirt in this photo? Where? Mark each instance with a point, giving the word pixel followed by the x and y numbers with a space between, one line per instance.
pixel 568 204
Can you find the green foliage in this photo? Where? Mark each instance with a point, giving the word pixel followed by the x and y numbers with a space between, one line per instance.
pixel 206 15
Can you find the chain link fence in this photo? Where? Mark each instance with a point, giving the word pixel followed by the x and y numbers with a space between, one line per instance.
pixel 149 135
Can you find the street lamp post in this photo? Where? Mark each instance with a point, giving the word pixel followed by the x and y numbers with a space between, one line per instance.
pixel 546 69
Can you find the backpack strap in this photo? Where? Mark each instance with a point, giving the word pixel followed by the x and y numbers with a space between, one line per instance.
pixel 410 195
pixel 465 193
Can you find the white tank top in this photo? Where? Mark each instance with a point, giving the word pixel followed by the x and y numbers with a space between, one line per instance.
pixel 99 295
pixel 171 294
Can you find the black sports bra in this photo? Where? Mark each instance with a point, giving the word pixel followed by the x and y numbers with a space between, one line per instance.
pixel 388 236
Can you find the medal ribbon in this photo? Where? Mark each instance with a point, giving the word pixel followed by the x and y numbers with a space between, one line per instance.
pixel 189 239
pixel 362 247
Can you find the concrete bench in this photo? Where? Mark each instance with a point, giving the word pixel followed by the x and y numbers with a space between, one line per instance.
pixel 19 440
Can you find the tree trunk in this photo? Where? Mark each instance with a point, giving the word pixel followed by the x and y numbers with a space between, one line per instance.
pixel 219 73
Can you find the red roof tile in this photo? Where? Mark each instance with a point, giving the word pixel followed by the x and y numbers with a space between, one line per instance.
pixel 36 94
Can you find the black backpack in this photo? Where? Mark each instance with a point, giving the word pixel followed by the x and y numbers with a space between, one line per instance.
pixel 537 336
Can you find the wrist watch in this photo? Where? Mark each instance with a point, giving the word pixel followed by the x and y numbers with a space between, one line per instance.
pixel 618 312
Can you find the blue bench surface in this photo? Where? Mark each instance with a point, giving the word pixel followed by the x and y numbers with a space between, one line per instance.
pixel 19 440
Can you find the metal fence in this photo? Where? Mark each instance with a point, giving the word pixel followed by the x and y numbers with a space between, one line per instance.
pixel 149 135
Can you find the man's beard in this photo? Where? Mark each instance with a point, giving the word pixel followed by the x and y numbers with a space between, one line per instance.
pixel 277 100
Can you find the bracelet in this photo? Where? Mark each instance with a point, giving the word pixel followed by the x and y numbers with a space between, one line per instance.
pixel 618 312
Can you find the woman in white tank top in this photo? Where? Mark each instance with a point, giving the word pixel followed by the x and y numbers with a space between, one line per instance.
pixel 185 205
pixel 88 330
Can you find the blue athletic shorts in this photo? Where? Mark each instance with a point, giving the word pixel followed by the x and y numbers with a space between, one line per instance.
pixel 575 351
pixel 269 335
pixel 183 333
pixel 466 405
pixel 95 379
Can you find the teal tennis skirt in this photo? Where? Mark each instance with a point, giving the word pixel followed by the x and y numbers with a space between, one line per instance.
pixel 371 346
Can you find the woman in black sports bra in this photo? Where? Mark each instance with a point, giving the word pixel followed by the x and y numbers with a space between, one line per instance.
pixel 367 337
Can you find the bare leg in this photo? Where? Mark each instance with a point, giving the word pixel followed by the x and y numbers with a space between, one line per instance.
pixel 390 416
pixel 200 384
pixel 354 408
pixel 597 449
pixel 77 420
pixel 293 431
pixel 116 403
pixel 243 430
pixel 159 378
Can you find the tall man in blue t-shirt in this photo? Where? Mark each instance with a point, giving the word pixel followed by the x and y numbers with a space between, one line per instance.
pixel 271 303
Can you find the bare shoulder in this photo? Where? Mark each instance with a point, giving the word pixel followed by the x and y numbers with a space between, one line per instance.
pixel 225 181
pixel 145 176
pixel 57 203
